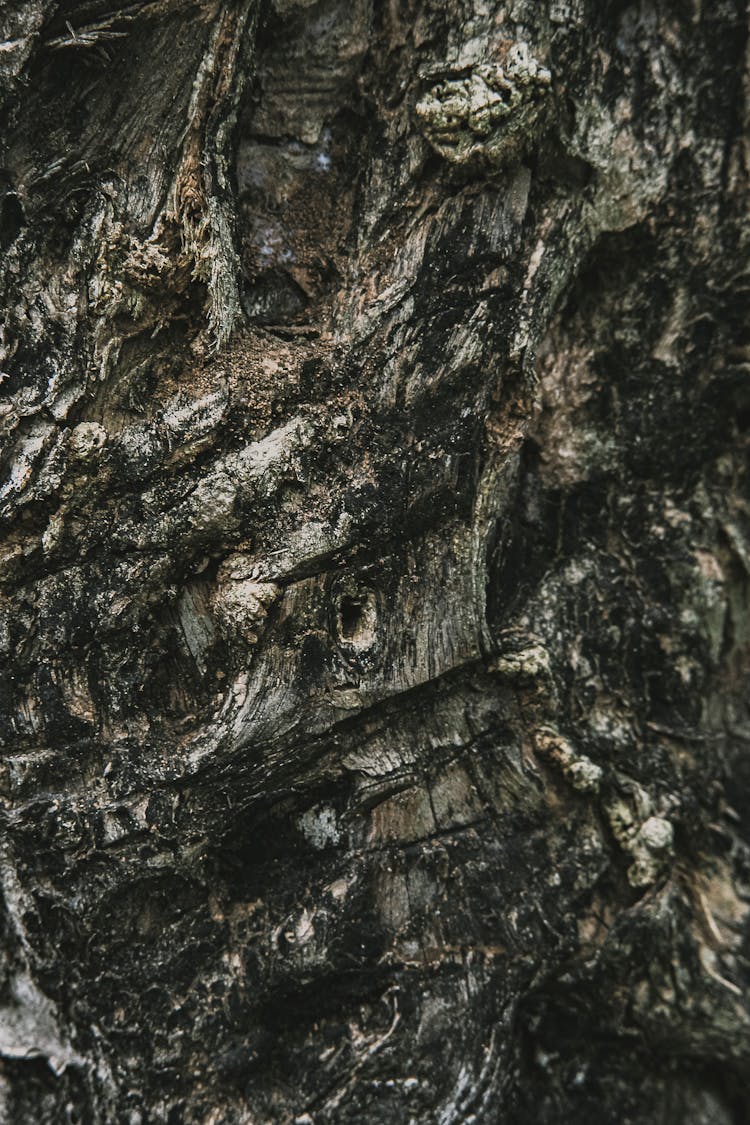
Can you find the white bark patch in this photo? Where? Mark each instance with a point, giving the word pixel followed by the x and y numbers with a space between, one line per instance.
pixel 319 826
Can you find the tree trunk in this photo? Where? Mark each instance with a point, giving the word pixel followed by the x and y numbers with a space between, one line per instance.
pixel 375 562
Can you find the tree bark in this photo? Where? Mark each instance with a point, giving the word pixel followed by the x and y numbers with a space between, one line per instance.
pixel 374 565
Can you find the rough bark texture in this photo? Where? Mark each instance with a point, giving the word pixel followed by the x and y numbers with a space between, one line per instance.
pixel 375 562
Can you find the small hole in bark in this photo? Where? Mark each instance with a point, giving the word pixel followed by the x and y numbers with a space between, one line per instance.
pixel 274 298
pixel 357 619
pixel 351 617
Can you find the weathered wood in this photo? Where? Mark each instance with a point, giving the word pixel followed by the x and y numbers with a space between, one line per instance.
pixel 374 562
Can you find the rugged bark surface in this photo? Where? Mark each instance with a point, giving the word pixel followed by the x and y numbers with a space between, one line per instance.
pixel 375 562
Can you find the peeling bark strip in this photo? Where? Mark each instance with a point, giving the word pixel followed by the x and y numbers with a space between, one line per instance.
pixel 374 562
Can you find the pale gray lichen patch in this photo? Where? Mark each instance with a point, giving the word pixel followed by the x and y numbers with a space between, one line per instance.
pixel 319 826
pixel 487 113
pixel 650 842
pixel 86 440
pixel 651 848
